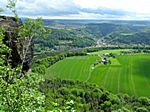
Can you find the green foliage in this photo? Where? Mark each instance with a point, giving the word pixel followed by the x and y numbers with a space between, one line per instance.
pixel 144 101
pixel 39 69
pixel 22 95
pixel 137 38
pixel 18 94
pixel 67 107
pixel 31 28
pixel 141 109
pixel 67 95
pixel 58 39
pixel 106 106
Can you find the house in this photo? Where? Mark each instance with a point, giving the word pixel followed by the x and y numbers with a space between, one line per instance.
pixel 105 61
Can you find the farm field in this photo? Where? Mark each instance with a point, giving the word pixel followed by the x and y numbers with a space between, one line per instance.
pixel 116 51
pixel 126 74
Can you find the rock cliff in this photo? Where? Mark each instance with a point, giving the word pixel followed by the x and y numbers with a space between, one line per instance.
pixel 15 57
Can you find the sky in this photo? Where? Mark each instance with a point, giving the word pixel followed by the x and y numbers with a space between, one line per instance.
pixel 82 9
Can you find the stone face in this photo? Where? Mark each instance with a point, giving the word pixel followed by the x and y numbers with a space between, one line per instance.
pixel 16 56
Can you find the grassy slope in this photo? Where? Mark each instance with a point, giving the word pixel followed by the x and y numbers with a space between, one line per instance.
pixel 127 74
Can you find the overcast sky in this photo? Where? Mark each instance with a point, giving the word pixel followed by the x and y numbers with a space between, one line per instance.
pixel 83 9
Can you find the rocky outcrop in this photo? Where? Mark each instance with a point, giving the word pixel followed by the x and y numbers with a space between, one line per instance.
pixel 15 57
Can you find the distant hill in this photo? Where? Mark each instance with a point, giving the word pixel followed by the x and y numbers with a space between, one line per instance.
pixel 142 38
pixel 73 34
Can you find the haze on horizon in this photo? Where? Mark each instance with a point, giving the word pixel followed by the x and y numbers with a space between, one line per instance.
pixel 82 9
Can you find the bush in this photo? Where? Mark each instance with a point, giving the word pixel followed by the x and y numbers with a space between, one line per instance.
pixel 144 101
pixel 63 91
pixel 141 109
pixel 41 69
pixel 106 105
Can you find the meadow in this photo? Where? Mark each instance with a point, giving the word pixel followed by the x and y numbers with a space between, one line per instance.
pixel 126 74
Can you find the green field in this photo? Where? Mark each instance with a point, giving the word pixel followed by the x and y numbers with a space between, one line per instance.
pixel 127 74
pixel 116 51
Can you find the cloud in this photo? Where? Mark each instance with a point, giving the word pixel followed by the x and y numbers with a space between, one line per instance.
pixel 47 7
pixel 108 11
pixel 96 9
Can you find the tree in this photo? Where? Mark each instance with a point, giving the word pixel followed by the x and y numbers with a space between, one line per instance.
pixel 26 32
pixel 15 94
pixel 20 95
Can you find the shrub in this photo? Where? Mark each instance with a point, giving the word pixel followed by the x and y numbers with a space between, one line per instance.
pixel 141 109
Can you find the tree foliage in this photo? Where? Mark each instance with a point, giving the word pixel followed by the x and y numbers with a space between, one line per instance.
pixel 89 97
pixel 20 95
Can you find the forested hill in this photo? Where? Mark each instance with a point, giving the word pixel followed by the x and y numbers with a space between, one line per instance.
pixel 73 34
pixel 53 22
